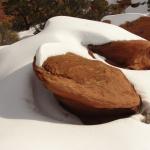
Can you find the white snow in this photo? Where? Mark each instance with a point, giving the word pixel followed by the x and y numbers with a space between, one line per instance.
pixel 79 33
pixel 140 9
pixel 30 117
pixel 141 82
pixel 138 1
pixel 1 47
pixel 123 18
pixel 58 48
pixel 86 31
pixel 112 2
pixel 26 33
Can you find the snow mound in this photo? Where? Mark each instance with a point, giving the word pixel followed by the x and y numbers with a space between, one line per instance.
pixel 59 48
pixel 30 118
pixel 80 33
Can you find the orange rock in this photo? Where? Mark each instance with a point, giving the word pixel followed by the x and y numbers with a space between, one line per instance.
pixel 91 89
pixel 134 54
pixel 139 27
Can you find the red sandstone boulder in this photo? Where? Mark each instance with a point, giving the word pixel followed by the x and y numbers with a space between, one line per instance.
pixel 91 89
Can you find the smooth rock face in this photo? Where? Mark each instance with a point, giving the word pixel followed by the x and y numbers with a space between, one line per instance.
pixel 91 89
pixel 134 54
pixel 139 27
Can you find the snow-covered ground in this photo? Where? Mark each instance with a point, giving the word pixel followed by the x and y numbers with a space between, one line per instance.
pixel 30 117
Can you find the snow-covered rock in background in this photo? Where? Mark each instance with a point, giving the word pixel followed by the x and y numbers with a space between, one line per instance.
pixel 122 18
pixel 30 117
pixel 142 8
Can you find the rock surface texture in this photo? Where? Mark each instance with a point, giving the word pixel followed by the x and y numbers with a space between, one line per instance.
pixel 91 89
